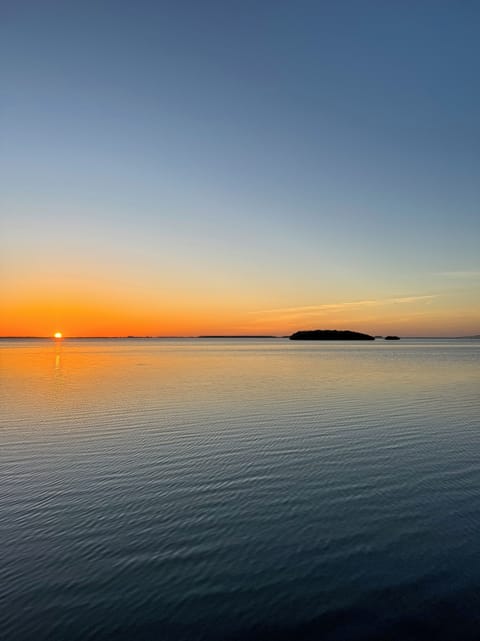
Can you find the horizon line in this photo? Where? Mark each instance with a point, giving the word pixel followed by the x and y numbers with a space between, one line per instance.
pixel 202 336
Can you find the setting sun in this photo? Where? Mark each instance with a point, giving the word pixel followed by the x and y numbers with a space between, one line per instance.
pixel 58 335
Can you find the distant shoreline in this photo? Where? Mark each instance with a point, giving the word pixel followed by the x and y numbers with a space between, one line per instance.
pixel 237 336
pixel 219 336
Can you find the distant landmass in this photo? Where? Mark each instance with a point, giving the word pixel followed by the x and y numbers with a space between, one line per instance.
pixel 237 336
pixel 330 335
pixel 392 338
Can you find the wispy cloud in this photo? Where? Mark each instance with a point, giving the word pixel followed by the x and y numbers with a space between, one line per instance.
pixel 459 274
pixel 410 299
pixel 307 310
pixel 314 308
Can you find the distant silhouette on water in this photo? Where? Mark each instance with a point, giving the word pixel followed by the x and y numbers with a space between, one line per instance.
pixel 330 335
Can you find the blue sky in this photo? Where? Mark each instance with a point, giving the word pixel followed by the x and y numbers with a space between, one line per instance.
pixel 280 154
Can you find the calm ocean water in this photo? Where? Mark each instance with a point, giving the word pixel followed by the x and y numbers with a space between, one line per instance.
pixel 240 489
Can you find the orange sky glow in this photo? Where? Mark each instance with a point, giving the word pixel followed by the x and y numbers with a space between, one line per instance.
pixel 102 313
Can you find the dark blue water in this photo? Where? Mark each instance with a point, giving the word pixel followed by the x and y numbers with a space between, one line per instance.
pixel 255 490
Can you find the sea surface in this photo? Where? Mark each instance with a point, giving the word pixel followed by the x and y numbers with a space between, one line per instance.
pixel 239 489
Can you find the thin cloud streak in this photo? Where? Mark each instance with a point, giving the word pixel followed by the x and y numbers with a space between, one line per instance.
pixel 458 274
pixel 313 309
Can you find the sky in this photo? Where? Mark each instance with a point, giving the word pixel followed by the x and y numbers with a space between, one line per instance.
pixel 254 167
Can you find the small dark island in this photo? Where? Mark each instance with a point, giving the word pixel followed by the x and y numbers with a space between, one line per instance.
pixel 392 338
pixel 330 335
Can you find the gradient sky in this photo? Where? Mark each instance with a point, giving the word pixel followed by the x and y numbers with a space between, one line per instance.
pixel 240 167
